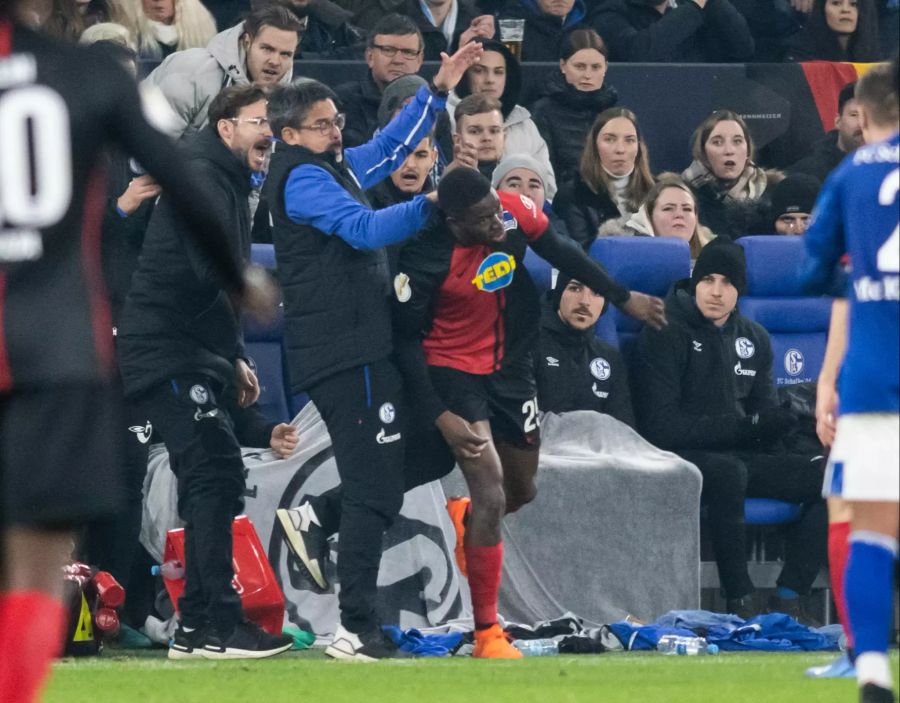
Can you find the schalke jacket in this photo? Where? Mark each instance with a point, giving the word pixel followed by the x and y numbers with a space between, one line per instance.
pixel 577 371
pixel 695 383
pixel 177 319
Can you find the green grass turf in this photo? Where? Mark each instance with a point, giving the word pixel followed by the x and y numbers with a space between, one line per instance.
pixel 303 677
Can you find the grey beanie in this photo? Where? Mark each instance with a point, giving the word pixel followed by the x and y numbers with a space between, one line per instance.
pixel 395 93
pixel 508 163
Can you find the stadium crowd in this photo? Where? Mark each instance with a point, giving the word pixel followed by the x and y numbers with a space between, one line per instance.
pixel 360 167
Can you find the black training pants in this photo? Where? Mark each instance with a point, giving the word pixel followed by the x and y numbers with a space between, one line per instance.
pixel 730 478
pixel 366 416
pixel 205 456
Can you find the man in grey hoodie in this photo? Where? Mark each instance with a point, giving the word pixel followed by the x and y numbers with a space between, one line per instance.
pixel 260 50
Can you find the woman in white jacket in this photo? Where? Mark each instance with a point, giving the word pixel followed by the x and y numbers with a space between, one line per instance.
pixel 498 76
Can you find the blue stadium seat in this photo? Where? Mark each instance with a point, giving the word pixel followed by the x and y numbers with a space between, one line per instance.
pixel 540 271
pixel 264 347
pixel 797 324
pixel 646 264
pixel 769 511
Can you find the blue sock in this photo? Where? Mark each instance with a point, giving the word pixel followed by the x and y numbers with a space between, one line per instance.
pixel 786 593
pixel 868 582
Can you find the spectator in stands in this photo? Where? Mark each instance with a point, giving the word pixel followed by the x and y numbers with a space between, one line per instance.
pixel 613 180
pixel 395 48
pixel 96 12
pixel 704 389
pixel 837 30
pixel 183 364
pixel 161 27
pixel 792 202
pixel 834 146
pixel 479 138
pixel 112 33
pixel 448 24
pixel 693 31
pixel 573 99
pixel 669 210
pixel 58 18
pixel 546 24
pixel 260 50
pixel 732 191
pixel 521 173
pixel 498 75
pixel 327 32
pixel 576 370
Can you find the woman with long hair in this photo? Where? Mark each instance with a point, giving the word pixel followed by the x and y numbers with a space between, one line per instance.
pixel 669 210
pixel 732 191
pixel 162 27
pixel 574 98
pixel 837 30
pixel 613 179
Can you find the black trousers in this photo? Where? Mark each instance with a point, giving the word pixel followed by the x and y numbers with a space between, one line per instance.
pixel 205 456
pixel 729 478
pixel 367 418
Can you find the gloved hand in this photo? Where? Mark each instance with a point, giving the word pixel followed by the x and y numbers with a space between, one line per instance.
pixel 770 423
pixel 531 221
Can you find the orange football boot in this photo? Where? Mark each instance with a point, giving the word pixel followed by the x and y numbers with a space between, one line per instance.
pixel 492 643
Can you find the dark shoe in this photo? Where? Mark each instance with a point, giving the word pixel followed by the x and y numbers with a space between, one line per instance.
pixel 872 693
pixel 742 607
pixel 306 540
pixel 367 646
pixel 187 645
pixel 793 607
pixel 246 641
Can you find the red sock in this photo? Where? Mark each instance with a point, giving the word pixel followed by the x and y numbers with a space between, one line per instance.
pixel 484 564
pixel 32 635
pixel 838 551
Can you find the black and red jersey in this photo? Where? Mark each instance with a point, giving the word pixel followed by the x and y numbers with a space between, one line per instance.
pixel 473 307
pixel 60 106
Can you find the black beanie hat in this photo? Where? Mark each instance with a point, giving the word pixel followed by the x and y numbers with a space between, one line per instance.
pixel 562 280
pixel 794 194
pixel 724 257
pixel 461 189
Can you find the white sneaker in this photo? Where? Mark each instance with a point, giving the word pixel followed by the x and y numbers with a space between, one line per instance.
pixel 306 540
pixel 368 647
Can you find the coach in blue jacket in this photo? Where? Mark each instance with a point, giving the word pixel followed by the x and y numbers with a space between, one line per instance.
pixel 330 249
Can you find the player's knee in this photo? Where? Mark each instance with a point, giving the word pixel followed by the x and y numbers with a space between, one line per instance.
pixel 520 496
pixel 489 501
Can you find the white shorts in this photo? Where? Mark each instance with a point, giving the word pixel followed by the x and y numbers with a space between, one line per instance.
pixel 864 463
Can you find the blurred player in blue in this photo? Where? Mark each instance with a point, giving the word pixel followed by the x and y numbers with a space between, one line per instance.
pixel 857 214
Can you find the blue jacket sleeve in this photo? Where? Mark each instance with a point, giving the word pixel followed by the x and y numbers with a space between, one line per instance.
pixel 375 160
pixel 313 197
pixel 824 243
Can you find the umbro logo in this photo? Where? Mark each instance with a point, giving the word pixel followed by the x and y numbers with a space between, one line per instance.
pixel 698 346
pixel 143 433
pixel 552 362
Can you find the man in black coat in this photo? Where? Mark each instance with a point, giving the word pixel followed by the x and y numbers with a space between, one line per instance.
pixel 546 22
pixel 703 389
pixel 575 370
pixel 696 31
pixel 183 364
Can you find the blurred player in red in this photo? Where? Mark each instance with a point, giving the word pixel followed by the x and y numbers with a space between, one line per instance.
pixel 60 106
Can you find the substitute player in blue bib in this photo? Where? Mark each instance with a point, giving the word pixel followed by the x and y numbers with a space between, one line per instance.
pixel 857 213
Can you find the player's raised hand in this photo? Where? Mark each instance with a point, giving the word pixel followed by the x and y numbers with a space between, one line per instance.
pixel 261 294
pixel 465 443
pixel 284 440
pixel 646 308
pixel 453 67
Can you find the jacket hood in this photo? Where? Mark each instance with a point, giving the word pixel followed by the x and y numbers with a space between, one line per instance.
pixel 226 48
pixel 579 10
pixel 207 146
pixel 552 322
pixel 588 100
pixel 513 87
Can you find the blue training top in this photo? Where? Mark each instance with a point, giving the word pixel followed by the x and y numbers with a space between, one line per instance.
pixel 857 214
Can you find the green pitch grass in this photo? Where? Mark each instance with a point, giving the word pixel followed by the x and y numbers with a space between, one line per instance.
pixel 308 677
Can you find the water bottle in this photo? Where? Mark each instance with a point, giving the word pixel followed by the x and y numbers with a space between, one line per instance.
pixel 172 570
pixel 537 648
pixel 685 646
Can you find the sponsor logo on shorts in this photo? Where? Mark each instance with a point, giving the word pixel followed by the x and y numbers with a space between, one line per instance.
pixel 495 272
pixel 744 347
pixel 794 363
pixel 600 368
pixel 199 394
pixel 386 413
pixel 598 392
pixel 384 438
pixel 143 433
pixel 740 371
